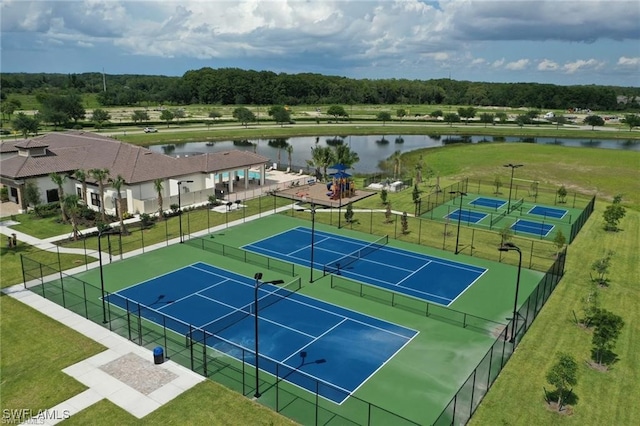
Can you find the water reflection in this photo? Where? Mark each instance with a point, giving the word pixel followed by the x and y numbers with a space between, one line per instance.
pixel 371 148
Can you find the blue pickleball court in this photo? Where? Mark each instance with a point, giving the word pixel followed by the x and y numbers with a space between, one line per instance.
pixel 467 216
pixel 533 228
pixel 308 340
pixel 548 212
pixel 418 275
pixel 491 203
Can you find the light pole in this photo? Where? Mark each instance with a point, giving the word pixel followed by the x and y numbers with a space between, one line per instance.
pixel 312 210
pixel 258 277
pixel 462 194
pixel 508 246
pixel 180 182
pixel 513 169
pixel 104 231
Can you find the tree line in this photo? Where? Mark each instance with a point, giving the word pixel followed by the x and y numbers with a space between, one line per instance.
pixel 233 86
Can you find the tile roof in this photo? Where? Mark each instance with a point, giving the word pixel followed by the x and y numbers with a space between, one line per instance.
pixel 71 151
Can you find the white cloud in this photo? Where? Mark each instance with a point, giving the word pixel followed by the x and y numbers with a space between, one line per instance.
pixel 499 63
pixel 629 62
pixel 478 61
pixel 518 65
pixel 582 65
pixel 548 65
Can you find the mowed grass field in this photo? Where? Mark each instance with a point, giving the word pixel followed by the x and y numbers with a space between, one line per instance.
pixel 517 396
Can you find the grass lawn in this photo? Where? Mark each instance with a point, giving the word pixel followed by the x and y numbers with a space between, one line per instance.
pixel 35 349
pixel 517 396
pixel 603 398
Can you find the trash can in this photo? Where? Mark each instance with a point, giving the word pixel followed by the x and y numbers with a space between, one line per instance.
pixel 158 355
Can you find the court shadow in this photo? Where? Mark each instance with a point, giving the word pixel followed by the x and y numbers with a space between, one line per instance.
pixel 303 362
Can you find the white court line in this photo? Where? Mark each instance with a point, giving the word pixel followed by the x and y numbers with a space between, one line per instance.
pixel 314 340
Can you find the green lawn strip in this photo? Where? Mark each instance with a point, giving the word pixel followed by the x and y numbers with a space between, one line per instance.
pixel 517 396
pixel 12 267
pixel 41 227
pixel 207 403
pixel 35 349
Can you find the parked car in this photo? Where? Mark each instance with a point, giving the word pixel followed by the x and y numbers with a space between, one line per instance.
pixel 150 130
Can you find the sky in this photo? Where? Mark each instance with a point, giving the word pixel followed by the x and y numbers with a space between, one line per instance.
pixel 558 42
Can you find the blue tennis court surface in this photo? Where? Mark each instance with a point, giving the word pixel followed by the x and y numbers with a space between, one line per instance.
pixel 548 212
pixel 529 227
pixel 425 277
pixel 488 202
pixel 468 216
pixel 310 339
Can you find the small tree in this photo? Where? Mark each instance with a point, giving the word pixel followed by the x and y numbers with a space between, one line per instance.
pixel 415 195
pixel 32 194
pixel 244 116
pixel 383 196
pixel 139 115
pixel 563 375
pixel 388 214
pixel 498 184
pixel 590 306
pixel 348 214
pixel 607 330
pixel 487 118
pixel 601 268
pixel 559 240
pixel 401 113
pixel 337 111
pixel 451 118
pixel 404 220
pixel 99 116
pixel 215 114
pixel 59 180
pixel 593 121
pixel 562 194
pixel 631 120
pixel 117 184
pixel 157 185
pixel 613 214
pixel 167 116
pixel 72 207
pixel 383 116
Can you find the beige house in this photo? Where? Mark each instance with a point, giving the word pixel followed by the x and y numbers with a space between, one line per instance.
pixel 196 176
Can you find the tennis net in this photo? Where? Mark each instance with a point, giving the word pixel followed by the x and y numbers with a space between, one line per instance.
pixel 516 205
pixel 496 218
pixel 281 292
pixel 336 265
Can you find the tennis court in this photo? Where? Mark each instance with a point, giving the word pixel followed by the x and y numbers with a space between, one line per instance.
pixel 548 212
pixel 467 216
pixel 313 340
pixel 534 228
pixel 492 203
pixel 414 274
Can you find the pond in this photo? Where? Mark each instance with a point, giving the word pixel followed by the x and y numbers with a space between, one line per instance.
pixel 371 149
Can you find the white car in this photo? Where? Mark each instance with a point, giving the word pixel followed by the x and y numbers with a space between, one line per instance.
pixel 150 130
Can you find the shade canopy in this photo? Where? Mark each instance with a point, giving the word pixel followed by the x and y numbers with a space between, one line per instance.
pixel 339 166
pixel 341 174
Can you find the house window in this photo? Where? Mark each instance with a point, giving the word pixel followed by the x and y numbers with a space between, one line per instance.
pixel 79 192
pixel 95 199
pixel 52 195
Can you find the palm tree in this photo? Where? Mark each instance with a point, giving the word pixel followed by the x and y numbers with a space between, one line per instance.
pixel 59 180
pixel 100 175
pixel 342 154
pixel 117 185
pixel 72 207
pixel 397 164
pixel 81 175
pixel 157 184
pixel 289 150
